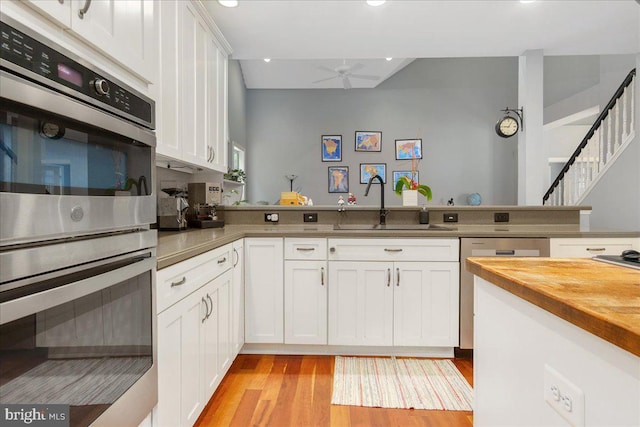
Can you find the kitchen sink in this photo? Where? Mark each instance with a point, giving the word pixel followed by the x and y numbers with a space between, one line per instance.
pixel 421 227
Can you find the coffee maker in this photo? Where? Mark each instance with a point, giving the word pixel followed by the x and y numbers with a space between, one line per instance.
pixel 203 198
pixel 172 210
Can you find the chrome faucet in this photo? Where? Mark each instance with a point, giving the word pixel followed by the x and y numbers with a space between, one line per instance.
pixel 383 211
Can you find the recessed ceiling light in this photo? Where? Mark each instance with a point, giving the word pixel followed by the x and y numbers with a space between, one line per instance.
pixel 375 2
pixel 388 59
pixel 228 3
pixel 267 59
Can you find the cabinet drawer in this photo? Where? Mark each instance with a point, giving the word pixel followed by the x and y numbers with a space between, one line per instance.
pixel 394 249
pixel 179 280
pixel 301 248
pixel 587 247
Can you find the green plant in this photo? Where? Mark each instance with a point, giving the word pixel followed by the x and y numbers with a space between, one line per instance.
pixel 410 184
pixel 237 175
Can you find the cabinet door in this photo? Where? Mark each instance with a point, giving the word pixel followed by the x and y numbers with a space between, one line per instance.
pixel 305 302
pixel 168 111
pixel 179 373
pixel 60 12
pixel 360 303
pixel 223 286
pixel 425 303
pixel 237 298
pixel 209 353
pixel 123 30
pixel 220 143
pixel 264 290
pixel 211 99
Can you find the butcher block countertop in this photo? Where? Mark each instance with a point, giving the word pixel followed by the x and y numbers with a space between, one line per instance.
pixel 600 298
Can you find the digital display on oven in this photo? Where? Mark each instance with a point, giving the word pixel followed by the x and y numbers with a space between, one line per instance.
pixel 69 74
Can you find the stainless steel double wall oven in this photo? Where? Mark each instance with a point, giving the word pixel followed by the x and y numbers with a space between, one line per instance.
pixel 77 256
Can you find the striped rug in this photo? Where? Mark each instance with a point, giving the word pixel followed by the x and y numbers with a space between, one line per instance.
pixel 400 383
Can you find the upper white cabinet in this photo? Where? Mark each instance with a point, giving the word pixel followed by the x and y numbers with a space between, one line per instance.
pixel 192 110
pixel 123 30
pixel 588 247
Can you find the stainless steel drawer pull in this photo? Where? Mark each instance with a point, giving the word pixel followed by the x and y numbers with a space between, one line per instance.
pixel 235 251
pixel 397 277
pixel 84 9
pixel 322 276
pixel 211 301
pixel 206 309
pixel 305 249
pixel 388 277
pixel 596 249
pixel 392 250
pixel 223 260
pixel 179 282
pixel 505 252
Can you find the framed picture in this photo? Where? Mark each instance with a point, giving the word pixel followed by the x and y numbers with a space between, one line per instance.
pixel 331 148
pixel 367 170
pixel 408 174
pixel 407 149
pixel 338 179
pixel 368 141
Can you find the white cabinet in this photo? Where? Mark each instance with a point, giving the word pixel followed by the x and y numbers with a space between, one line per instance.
pixel 237 298
pixel 193 74
pixel 588 247
pixel 401 292
pixel 194 334
pixel 305 291
pixel 360 303
pixel 264 289
pixel 124 30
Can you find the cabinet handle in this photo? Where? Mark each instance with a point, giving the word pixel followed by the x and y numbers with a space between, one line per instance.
pixel 505 252
pixel 223 260
pixel 392 250
pixel 322 276
pixel 388 277
pixel 305 249
pixel 84 9
pixel 398 277
pixel 179 282
pixel 213 154
pixel 596 249
pixel 211 301
pixel 206 304
pixel 235 251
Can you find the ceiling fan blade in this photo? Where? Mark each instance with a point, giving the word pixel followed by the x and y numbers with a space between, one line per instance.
pixel 364 76
pixel 325 68
pixel 346 83
pixel 356 66
pixel 324 80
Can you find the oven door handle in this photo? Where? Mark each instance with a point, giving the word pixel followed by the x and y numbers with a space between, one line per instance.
pixel 35 302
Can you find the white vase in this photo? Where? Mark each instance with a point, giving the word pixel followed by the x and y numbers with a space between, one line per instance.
pixel 410 198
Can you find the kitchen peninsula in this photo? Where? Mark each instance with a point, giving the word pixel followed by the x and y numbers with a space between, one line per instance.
pixel 556 339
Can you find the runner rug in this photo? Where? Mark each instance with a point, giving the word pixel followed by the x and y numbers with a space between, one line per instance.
pixel 400 383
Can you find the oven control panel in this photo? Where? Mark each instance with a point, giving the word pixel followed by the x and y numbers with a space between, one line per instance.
pixel 39 61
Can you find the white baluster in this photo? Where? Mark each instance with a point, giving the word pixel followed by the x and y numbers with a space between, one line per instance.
pixel 632 103
pixel 617 129
pixel 624 99
pixel 602 147
pixel 609 137
pixel 588 164
pixel 596 143
pixel 567 189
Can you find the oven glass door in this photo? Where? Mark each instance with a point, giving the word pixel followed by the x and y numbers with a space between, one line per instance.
pixel 42 153
pixel 70 344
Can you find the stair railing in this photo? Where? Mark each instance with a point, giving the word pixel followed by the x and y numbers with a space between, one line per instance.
pixel 610 134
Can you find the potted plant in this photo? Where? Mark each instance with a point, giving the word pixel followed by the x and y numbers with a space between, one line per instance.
pixel 408 188
pixel 236 175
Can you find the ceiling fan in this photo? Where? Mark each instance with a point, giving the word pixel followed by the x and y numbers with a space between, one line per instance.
pixel 345 72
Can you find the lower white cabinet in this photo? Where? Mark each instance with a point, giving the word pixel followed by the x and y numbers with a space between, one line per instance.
pixel 305 302
pixel 237 298
pixel 588 247
pixel 264 290
pixel 194 335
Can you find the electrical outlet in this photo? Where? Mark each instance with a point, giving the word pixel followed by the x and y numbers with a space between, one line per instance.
pixel 501 217
pixel 271 217
pixel 564 397
pixel 450 217
pixel 310 217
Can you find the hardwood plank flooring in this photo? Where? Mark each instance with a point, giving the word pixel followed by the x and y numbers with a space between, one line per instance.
pixel 295 391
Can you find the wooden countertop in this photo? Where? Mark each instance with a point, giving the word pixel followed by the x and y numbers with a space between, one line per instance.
pixel 600 298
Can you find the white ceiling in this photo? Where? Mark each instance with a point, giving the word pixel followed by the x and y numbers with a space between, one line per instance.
pixel 301 35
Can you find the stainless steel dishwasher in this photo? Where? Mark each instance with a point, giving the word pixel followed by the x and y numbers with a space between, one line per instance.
pixel 489 247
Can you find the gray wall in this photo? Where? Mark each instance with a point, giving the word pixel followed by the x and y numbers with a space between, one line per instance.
pixel 452 104
pixel 237 105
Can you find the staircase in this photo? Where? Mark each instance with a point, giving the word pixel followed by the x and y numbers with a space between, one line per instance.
pixel 611 133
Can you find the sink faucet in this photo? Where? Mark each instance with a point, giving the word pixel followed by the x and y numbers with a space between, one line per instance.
pixel 383 211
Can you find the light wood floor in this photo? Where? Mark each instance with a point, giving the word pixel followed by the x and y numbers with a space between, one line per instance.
pixel 295 391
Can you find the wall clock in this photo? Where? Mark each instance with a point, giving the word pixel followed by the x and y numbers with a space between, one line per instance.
pixel 51 130
pixel 507 127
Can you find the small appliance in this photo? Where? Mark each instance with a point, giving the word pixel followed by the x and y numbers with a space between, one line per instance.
pixel 203 198
pixel 172 210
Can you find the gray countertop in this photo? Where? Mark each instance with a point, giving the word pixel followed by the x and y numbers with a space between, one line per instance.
pixel 174 247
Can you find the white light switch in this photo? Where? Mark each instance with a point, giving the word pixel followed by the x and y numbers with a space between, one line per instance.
pixel 564 397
